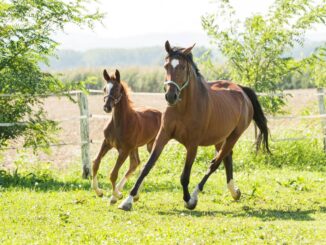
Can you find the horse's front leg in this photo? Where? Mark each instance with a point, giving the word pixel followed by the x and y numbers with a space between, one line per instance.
pixel 225 150
pixel 96 164
pixel 191 154
pixel 161 140
pixel 116 194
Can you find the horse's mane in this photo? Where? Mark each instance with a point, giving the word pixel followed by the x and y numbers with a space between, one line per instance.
pixel 177 52
pixel 126 90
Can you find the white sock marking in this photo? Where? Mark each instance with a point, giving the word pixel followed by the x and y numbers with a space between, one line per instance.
pixel 117 193
pixel 95 186
pixel 195 193
pixel 121 184
pixel 233 189
pixel 194 196
pixel 128 200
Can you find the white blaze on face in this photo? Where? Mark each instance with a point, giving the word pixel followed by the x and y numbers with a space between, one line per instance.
pixel 174 63
pixel 108 88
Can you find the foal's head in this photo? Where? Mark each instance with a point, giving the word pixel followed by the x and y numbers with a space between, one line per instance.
pixel 177 66
pixel 112 91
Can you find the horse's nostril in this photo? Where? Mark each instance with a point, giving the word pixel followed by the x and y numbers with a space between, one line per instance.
pixel 166 96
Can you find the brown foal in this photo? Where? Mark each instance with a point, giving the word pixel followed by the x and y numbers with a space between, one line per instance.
pixel 128 130
pixel 201 114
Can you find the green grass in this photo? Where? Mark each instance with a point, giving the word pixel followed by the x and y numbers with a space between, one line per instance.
pixel 41 205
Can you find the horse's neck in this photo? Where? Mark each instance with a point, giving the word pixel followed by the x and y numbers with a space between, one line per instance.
pixel 121 112
pixel 194 96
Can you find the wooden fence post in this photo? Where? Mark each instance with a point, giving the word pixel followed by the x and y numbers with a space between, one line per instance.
pixel 84 134
pixel 322 111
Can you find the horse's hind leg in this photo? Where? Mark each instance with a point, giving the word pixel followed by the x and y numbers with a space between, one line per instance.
pixel 228 164
pixel 96 164
pixel 150 146
pixel 123 154
pixel 224 151
pixel 134 163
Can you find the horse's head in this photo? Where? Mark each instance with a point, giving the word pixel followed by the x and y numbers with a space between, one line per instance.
pixel 177 72
pixel 112 90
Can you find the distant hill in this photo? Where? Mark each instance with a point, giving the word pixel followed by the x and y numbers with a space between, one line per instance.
pixel 147 56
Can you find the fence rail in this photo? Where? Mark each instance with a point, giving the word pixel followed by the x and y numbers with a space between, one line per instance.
pixel 86 116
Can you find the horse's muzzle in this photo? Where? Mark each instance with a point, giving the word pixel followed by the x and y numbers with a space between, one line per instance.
pixel 171 98
pixel 107 109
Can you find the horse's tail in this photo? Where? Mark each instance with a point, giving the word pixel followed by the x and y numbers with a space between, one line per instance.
pixel 259 118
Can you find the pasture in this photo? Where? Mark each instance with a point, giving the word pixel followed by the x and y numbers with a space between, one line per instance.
pixel 44 200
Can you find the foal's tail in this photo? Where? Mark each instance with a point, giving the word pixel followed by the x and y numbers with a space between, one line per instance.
pixel 259 118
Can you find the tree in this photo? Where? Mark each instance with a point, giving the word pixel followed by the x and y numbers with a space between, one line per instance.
pixel 258 50
pixel 26 30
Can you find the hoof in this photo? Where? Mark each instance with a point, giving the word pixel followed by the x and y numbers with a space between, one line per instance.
pixel 118 195
pixel 113 200
pixel 126 206
pixel 191 204
pixel 99 193
pixel 237 196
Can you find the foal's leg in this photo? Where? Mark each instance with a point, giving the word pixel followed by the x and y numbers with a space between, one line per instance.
pixel 191 154
pixel 225 150
pixel 123 154
pixel 96 163
pixel 134 162
pixel 159 144
pixel 228 164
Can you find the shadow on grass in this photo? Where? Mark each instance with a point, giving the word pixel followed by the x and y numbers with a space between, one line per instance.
pixel 263 214
pixel 40 182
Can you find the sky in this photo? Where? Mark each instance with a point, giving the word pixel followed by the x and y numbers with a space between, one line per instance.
pixel 138 23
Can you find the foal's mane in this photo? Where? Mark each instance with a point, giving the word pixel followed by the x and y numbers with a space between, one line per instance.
pixel 126 90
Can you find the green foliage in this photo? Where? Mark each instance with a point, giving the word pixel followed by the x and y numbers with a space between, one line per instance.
pixel 258 50
pixel 302 154
pixel 26 29
pixel 317 67
pixel 139 79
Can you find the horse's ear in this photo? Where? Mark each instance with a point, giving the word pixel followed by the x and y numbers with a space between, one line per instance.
pixel 188 50
pixel 168 47
pixel 106 75
pixel 117 75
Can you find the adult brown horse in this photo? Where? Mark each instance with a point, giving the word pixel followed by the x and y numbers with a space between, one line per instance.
pixel 201 114
pixel 128 130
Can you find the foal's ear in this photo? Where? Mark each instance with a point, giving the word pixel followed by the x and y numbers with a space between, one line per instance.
pixel 106 75
pixel 117 75
pixel 188 50
pixel 168 47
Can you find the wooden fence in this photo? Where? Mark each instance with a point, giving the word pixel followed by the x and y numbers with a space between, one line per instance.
pixel 85 115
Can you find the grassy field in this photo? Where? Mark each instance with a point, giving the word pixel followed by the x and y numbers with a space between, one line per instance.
pixel 41 204
pixel 43 199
